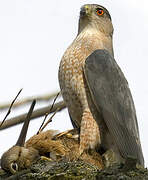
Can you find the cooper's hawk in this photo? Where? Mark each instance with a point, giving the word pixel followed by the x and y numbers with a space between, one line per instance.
pixel 95 90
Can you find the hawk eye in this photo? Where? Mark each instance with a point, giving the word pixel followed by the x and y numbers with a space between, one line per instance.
pixel 99 12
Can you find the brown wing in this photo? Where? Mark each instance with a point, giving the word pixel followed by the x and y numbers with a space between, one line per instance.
pixel 111 95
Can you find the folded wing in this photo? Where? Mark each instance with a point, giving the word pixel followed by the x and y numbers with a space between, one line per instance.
pixel 111 95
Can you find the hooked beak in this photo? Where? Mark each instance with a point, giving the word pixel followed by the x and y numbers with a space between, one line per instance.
pixel 22 137
pixel 84 11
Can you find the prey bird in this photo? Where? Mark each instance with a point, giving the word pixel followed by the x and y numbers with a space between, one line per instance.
pixel 19 157
pixel 95 90
pixel 46 145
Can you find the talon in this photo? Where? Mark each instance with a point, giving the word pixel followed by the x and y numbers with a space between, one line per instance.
pixel 46 158
pixel 63 133
pixel 69 135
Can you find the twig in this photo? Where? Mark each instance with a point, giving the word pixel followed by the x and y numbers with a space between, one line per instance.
pixel 9 110
pixel 37 113
pixel 42 123
pixel 46 97
pixel 50 120
pixel 48 113
pixel 54 101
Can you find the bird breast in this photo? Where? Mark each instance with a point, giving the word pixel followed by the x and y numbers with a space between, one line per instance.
pixel 71 77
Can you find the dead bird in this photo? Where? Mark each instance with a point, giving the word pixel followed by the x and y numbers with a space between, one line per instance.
pixel 48 145
pixel 19 157
pixel 64 145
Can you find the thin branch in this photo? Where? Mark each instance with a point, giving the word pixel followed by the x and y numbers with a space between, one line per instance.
pixel 50 120
pixel 42 123
pixel 25 101
pixel 9 110
pixel 48 113
pixel 54 101
pixel 37 113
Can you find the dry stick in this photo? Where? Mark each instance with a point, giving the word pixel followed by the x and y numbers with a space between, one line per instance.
pixel 42 123
pixel 50 120
pixel 9 110
pixel 37 113
pixel 24 101
pixel 54 101
pixel 48 113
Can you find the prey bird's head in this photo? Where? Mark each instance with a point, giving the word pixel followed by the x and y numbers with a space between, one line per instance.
pixel 96 17
pixel 19 157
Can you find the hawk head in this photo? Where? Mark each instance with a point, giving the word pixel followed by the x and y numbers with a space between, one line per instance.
pixel 95 17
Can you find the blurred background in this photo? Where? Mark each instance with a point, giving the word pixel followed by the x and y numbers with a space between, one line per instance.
pixel 33 37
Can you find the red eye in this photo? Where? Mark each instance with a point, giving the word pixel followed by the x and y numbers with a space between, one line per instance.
pixel 100 12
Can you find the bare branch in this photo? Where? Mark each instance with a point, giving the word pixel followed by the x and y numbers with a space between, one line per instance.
pixel 50 120
pixel 9 110
pixel 42 123
pixel 46 97
pixel 37 113
pixel 48 113
pixel 54 101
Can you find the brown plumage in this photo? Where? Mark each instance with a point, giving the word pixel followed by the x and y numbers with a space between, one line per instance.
pixel 50 144
pixel 62 146
pixel 95 90
pixel 71 78
pixel 19 157
pixel 45 145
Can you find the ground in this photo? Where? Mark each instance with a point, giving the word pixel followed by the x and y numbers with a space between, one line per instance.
pixel 78 170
